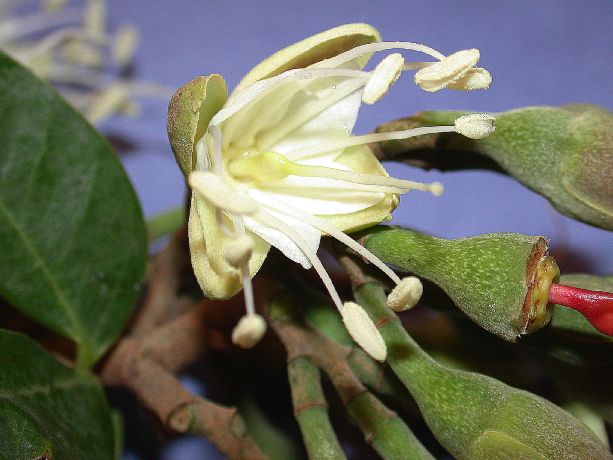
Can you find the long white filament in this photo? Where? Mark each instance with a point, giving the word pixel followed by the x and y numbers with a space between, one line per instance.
pixel 335 233
pixel 272 221
pixel 370 138
pixel 369 48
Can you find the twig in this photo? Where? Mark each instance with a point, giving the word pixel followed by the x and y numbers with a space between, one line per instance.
pixel 381 427
pixel 311 410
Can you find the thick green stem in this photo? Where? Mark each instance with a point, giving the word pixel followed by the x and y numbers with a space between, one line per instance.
pixel 165 223
pixel 311 410
pixel 474 416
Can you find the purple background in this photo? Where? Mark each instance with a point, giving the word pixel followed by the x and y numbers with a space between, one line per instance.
pixel 539 53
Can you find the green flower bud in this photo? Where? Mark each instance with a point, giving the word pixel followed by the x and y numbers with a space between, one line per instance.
pixel 500 280
pixel 564 154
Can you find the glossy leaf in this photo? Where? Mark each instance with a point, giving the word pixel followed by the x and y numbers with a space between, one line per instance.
pixel 72 236
pixel 47 408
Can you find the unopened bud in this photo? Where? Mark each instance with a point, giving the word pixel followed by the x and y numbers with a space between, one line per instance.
pixel 476 125
pixel 448 70
pixel 238 252
pixel 384 75
pixel 475 78
pixel 363 331
pixel 249 331
pixel 406 294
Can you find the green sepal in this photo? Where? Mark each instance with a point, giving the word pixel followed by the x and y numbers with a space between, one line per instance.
pixel 189 112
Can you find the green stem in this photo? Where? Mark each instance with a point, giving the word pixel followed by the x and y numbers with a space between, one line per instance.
pixel 165 223
pixel 474 416
pixel 311 410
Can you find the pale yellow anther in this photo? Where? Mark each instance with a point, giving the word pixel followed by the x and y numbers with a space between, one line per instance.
pixel 214 190
pixel 124 45
pixel 406 294
pixel 436 188
pixel 110 100
pixel 475 78
pixel 440 74
pixel 238 252
pixel 95 16
pixel 363 331
pixel 249 331
pixel 476 125
pixel 384 75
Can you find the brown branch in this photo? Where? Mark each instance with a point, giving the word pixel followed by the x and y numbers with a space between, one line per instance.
pixel 169 333
pixel 161 301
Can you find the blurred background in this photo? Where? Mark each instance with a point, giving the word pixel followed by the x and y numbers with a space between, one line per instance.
pixel 539 53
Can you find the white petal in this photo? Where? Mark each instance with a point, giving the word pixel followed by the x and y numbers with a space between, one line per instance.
pixel 282 242
pixel 335 122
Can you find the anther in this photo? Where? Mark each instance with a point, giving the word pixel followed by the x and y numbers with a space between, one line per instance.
pixel 238 252
pixel 475 78
pixel 406 294
pixel 363 331
pixel 440 74
pixel 476 125
pixel 249 331
pixel 385 74
pixel 214 190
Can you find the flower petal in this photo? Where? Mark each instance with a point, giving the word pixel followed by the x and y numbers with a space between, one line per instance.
pixel 280 240
pixel 311 50
pixel 216 277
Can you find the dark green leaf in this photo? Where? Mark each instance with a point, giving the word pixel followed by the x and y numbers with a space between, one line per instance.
pixel 72 237
pixel 48 408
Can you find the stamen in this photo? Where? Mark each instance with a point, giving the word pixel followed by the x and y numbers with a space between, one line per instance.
pixel 369 48
pixel 476 125
pixel 310 254
pixel 363 331
pixel 448 70
pixel 238 252
pixel 406 294
pixel 249 330
pixel 385 74
pixel 217 160
pixel 268 167
pixel 475 78
pixel 335 233
pixel 370 138
pixel 14 29
pixel 215 191
pixel 54 39
pixel 124 45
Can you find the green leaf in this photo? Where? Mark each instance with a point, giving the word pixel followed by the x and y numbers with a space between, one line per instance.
pixel 72 236
pixel 48 408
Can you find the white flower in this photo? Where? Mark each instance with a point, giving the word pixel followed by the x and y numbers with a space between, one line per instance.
pixel 71 48
pixel 277 163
